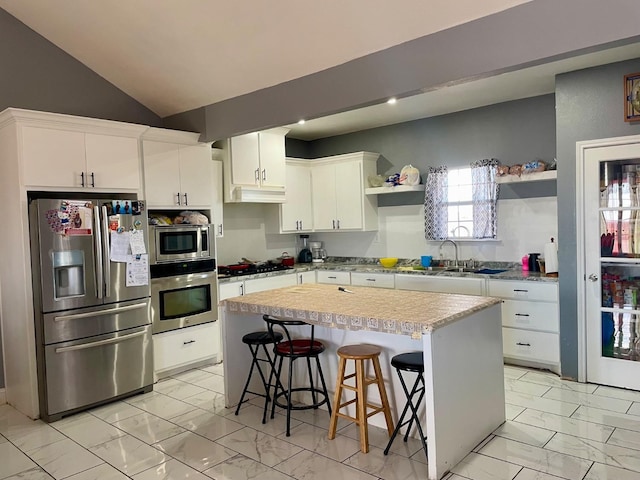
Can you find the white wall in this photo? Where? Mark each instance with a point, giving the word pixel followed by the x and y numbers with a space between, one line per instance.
pixel 524 226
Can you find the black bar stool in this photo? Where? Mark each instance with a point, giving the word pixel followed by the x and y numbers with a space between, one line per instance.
pixel 410 362
pixel 255 340
pixel 294 349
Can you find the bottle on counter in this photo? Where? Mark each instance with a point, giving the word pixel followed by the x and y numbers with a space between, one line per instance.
pixel 525 263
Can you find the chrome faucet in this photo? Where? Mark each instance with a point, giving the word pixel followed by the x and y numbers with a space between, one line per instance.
pixel 454 246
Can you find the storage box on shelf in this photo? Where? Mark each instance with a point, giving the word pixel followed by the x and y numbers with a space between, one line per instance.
pixel 254 167
pixel 178 171
pixel 530 321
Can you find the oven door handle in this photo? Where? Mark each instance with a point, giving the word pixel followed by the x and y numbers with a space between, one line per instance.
pixel 98 313
pixel 100 343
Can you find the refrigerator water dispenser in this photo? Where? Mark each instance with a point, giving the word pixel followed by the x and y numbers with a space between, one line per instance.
pixel 68 274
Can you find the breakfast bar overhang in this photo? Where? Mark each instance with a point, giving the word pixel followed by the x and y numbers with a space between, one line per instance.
pixel 460 337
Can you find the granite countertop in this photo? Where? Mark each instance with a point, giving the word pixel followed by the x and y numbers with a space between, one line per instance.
pixel 399 312
pixel 370 265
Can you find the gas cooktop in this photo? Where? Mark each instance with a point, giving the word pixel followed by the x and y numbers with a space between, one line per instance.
pixel 240 269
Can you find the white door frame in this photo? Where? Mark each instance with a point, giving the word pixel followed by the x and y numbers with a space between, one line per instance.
pixel 581 148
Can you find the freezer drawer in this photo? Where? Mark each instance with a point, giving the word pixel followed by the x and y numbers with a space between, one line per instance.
pixel 87 322
pixel 84 372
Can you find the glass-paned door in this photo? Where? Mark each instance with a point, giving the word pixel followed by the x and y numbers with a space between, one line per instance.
pixel 612 264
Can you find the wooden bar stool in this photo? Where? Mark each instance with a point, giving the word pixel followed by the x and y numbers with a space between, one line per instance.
pixel 360 353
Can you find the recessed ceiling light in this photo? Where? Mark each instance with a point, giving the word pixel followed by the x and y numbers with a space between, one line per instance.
pixel 392 100
pixel 301 122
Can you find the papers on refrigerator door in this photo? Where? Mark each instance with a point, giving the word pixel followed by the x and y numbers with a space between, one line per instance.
pixel 120 246
pixel 137 270
pixel 136 242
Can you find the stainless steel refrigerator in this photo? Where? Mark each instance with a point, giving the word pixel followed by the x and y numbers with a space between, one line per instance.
pixel 91 301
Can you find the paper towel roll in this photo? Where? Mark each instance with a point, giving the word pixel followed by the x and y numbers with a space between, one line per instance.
pixel 551 257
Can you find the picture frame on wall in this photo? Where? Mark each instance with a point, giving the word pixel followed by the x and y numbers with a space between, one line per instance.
pixel 632 97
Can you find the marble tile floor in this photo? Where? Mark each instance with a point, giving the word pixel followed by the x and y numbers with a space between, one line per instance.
pixel 555 430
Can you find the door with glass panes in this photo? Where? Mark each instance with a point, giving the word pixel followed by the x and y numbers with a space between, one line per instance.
pixel 612 264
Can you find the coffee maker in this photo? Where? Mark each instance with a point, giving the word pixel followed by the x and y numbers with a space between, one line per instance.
pixel 318 253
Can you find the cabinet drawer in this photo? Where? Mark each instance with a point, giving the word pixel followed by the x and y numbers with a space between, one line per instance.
pixel 184 346
pixel 547 292
pixel 334 278
pixel 531 315
pixel 270 283
pixel 434 283
pixel 380 280
pixel 529 345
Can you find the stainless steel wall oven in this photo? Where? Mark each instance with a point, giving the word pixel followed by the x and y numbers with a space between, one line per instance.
pixel 183 294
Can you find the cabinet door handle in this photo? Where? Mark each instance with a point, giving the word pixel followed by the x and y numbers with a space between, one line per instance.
pixel 264 175
pixel 300 279
pixel 93 180
pixel 371 279
pixel 188 342
pixel 241 290
pixel 333 277
pixel 334 224
pixel 338 223
pixel 82 179
pixel 522 314
pixel 301 227
pixel 257 172
pixel 186 200
pixel 178 198
pixel 520 290
pixel 297 225
pixel 523 344
pixel 220 229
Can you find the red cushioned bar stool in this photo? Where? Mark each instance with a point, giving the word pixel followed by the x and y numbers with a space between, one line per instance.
pixel 293 349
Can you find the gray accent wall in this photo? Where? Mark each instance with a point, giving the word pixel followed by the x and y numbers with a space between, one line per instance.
pixel 526 35
pixel 37 75
pixel 513 132
pixel 589 105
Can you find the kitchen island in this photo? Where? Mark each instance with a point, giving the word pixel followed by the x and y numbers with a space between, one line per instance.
pixel 459 335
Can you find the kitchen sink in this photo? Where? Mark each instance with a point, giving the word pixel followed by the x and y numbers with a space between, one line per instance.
pixel 486 271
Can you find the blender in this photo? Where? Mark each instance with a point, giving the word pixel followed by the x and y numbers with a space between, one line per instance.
pixel 305 254
pixel 318 254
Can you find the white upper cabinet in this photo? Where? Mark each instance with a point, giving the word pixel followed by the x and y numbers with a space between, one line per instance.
pixel 61 158
pixel 337 185
pixel 255 167
pixel 296 214
pixel 177 175
pixel 217 208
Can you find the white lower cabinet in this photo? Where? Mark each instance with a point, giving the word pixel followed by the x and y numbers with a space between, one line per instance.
pixel 333 278
pixel 434 283
pixel 181 348
pixel 306 277
pixel 530 322
pixel 376 280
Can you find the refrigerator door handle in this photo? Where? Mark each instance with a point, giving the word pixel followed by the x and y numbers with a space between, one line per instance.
pixel 99 274
pixel 107 253
pixel 98 313
pixel 99 343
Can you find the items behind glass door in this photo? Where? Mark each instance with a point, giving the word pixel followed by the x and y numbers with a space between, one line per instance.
pixel 620 209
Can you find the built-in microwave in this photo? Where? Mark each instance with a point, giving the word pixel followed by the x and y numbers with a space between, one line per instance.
pixel 180 243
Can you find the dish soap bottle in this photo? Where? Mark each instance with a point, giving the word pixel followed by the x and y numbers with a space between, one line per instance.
pixel 525 263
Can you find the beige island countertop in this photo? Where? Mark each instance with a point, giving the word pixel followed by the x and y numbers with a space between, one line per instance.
pixel 390 311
